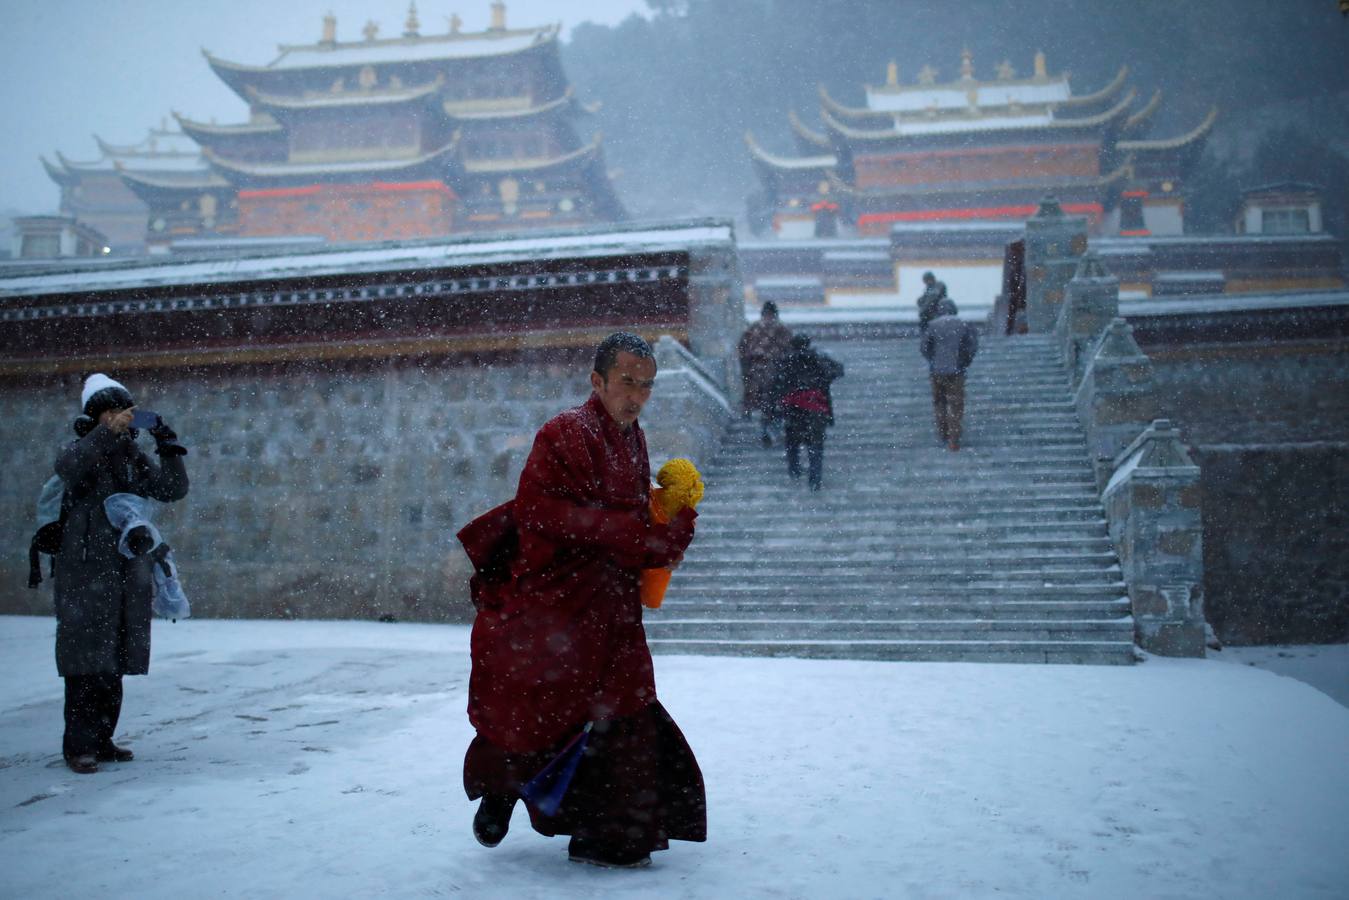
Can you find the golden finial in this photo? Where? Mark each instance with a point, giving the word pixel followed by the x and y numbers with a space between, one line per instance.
pixel 371 30
pixel 927 75
pixel 455 23
pixel 966 64
pixel 330 28
pixel 498 15
pixel 411 27
pixel 1041 69
pixel 892 75
pixel 1005 70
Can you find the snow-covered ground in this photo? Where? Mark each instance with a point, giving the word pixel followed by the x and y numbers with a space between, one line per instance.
pixel 308 759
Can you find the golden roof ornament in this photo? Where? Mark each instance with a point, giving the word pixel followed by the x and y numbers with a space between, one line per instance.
pixel 892 75
pixel 412 28
pixel 1005 70
pixel 927 75
pixel 966 65
pixel 371 29
pixel 329 29
pixel 455 23
pixel 498 15
pixel 1041 68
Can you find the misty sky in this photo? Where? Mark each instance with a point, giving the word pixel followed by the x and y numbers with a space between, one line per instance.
pixel 74 68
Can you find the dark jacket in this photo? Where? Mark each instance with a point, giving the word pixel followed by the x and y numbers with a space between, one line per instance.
pixel 804 372
pixel 949 345
pixel 927 304
pixel 102 598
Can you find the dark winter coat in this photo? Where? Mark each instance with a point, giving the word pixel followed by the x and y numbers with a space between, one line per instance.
pixel 802 383
pixel 928 302
pixel 102 598
pixel 760 348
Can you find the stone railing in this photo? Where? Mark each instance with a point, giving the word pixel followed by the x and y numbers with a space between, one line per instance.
pixel 1153 511
pixel 1149 484
pixel 689 412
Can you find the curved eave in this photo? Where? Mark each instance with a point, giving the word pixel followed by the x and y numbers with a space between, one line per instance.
pixel 806 134
pixel 57 172
pixel 76 168
pixel 783 164
pixel 253 173
pixel 1175 143
pixel 851 112
pixel 277 103
pixel 1117 177
pixel 1139 120
pixel 207 181
pixel 582 155
pixel 1102 95
pixel 1085 123
pixel 566 102
pixel 193 128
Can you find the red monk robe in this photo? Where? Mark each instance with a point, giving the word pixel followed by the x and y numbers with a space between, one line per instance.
pixel 560 641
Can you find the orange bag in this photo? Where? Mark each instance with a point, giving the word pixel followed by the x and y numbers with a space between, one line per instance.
pixel 680 486
pixel 655 581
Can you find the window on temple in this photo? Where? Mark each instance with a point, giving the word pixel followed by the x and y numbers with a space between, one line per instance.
pixel 1285 221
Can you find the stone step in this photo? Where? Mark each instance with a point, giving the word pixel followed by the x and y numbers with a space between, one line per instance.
pixel 946 544
pixel 737 515
pixel 780 629
pixel 906 532
pixel 748 559
pixel 847 608
pixel 879 587
pixel 1068 652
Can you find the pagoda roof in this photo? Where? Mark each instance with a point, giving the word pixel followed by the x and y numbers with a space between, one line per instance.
pixel 784 163
pixel 248 174
pixel 1002 98
pixel 385 96
pixel 264 124
pixel 1044 186
pixel 585 154
pixel 522 108
pixel 943 126
pixel 157 141
pixel 1176 143
pixel 57 172
pixel 1139 121
pixel 175 180
pixel 805 134
pixel 143 162
pixel 335 56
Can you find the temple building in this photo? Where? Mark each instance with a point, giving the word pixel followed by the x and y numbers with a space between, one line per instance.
pixel 373 139
pixel 977 151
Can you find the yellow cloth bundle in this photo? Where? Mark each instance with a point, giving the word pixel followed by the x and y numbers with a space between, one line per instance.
pixel 680 486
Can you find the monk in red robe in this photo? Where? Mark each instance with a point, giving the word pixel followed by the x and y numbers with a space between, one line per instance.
pixel 558 641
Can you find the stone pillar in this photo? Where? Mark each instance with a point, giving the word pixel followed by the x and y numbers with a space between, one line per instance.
pixel 717 314
pixel 1053 243
pixel 1116 398
pixel 1092 302
pixel 1153 512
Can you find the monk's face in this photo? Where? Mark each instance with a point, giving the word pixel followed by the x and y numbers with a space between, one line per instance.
pixel 626 388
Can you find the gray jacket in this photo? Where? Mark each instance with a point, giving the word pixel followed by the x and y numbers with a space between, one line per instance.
pixel 949 345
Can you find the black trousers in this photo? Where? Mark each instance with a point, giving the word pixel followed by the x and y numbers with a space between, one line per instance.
pixel 93 705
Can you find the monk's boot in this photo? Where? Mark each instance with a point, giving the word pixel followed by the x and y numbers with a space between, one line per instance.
pixel 493 818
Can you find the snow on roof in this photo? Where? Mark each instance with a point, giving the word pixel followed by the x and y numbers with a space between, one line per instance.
pixel 1222 303
pixel 469 46
pixel 957 96
pixel 382 257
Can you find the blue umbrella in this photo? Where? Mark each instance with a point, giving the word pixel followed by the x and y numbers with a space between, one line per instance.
pixel 545 790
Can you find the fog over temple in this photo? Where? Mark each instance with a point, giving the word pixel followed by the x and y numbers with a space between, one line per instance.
pixel 413 135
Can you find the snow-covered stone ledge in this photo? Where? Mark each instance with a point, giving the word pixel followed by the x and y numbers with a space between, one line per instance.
pixel 689 412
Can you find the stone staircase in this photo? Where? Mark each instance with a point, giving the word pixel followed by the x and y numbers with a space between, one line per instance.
pixel 911 552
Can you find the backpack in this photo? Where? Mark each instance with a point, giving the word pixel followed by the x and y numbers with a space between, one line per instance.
pixel 51 526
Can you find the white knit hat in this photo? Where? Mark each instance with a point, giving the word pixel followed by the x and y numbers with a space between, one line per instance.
pixel 98 383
